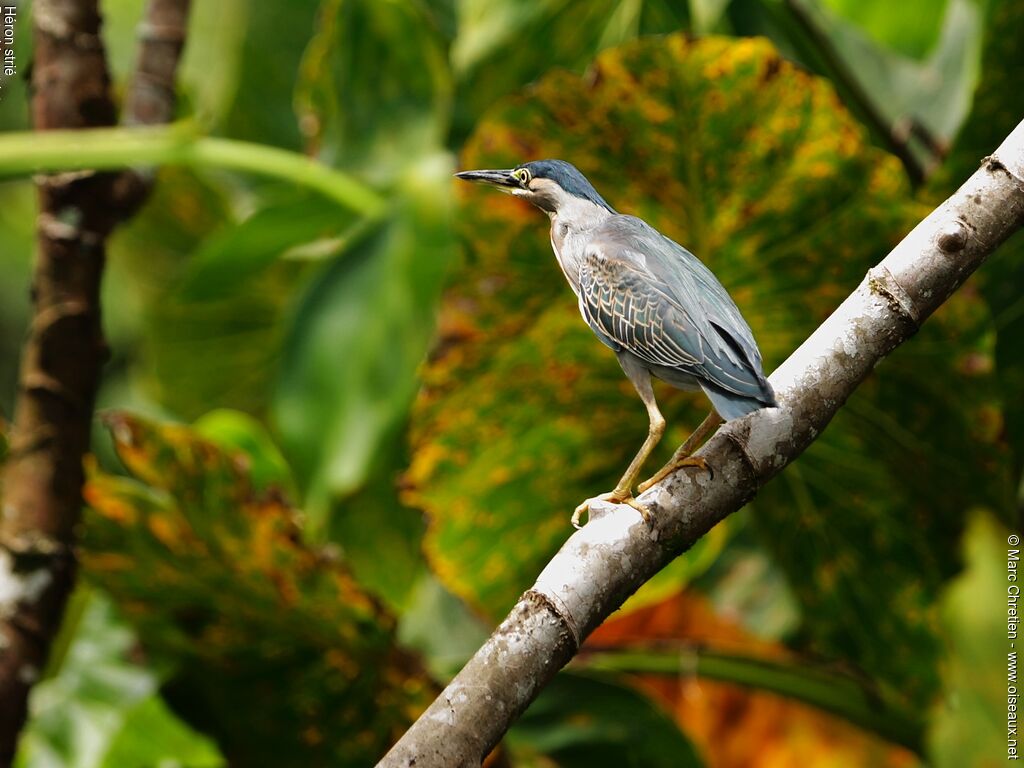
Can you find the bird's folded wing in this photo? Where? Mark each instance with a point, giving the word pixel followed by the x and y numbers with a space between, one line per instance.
pixel 624 301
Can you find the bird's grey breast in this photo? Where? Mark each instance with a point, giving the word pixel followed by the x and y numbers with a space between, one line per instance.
pixel 569 246
pixel 572 228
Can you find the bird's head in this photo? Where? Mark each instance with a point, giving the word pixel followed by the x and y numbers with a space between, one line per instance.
pixel 551 185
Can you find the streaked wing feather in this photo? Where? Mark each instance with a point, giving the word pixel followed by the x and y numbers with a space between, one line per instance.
pixel 619 305
pixel 654 298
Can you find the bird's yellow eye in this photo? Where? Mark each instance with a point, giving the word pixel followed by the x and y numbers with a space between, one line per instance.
pixel 522 175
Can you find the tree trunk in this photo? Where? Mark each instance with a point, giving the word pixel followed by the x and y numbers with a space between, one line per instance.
pixel 65 349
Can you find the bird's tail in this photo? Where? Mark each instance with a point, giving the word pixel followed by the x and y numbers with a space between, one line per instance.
pixel 731 405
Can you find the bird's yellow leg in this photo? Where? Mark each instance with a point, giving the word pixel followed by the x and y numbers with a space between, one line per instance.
pixel 623 491
pixel 683 456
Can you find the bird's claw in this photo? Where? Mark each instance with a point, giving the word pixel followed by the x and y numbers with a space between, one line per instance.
pixel 690 461
pixel 612 497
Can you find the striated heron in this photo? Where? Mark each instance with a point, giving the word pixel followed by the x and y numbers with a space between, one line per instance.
pixel 653 302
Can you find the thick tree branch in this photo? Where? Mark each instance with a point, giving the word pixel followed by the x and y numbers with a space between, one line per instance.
pixel 614 554
pixel 150 99
pixel 65 349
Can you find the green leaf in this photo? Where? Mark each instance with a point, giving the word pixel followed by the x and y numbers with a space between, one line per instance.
pixel 934 89
pixel 213 63
pixel 373 521
pixel 147 258
pixel 997 106
pixel 374 124
pixel 583 721
pixel 911 28
pixel 268 73
pixel 911 104
pixel 149 253
pixel 154 736
pixel 357 338
pixel 240 433
pixel 968 727
pixel 214 575
pixel 255 243
pixel 17 221
pixel 229 304
pixel 242 331
pixel 441 628
pixel 89 713
pixel 707 14
pixel 746 583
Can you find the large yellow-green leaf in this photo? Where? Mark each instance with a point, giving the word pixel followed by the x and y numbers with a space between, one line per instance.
pixel 498 44
pixel 756 167
pixel 278 652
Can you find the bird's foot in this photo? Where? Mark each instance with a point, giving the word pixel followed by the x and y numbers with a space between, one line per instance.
pixel 668 469
pixel 612 497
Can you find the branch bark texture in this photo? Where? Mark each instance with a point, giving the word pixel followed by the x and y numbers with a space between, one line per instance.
pixel 65 349
pixel 615 553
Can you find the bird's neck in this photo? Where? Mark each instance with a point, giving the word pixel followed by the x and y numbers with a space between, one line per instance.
pixel 572 227
pixel 578 212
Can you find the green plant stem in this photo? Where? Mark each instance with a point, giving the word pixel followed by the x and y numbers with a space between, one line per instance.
pixel 112 148
pixel 839 694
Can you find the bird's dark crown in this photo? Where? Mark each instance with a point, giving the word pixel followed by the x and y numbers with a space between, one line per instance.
pixel 568 177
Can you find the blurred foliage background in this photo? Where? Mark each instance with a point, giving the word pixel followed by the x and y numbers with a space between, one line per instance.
pixel 337 448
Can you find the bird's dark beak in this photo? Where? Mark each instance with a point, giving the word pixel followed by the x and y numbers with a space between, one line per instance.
pixel 500 179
